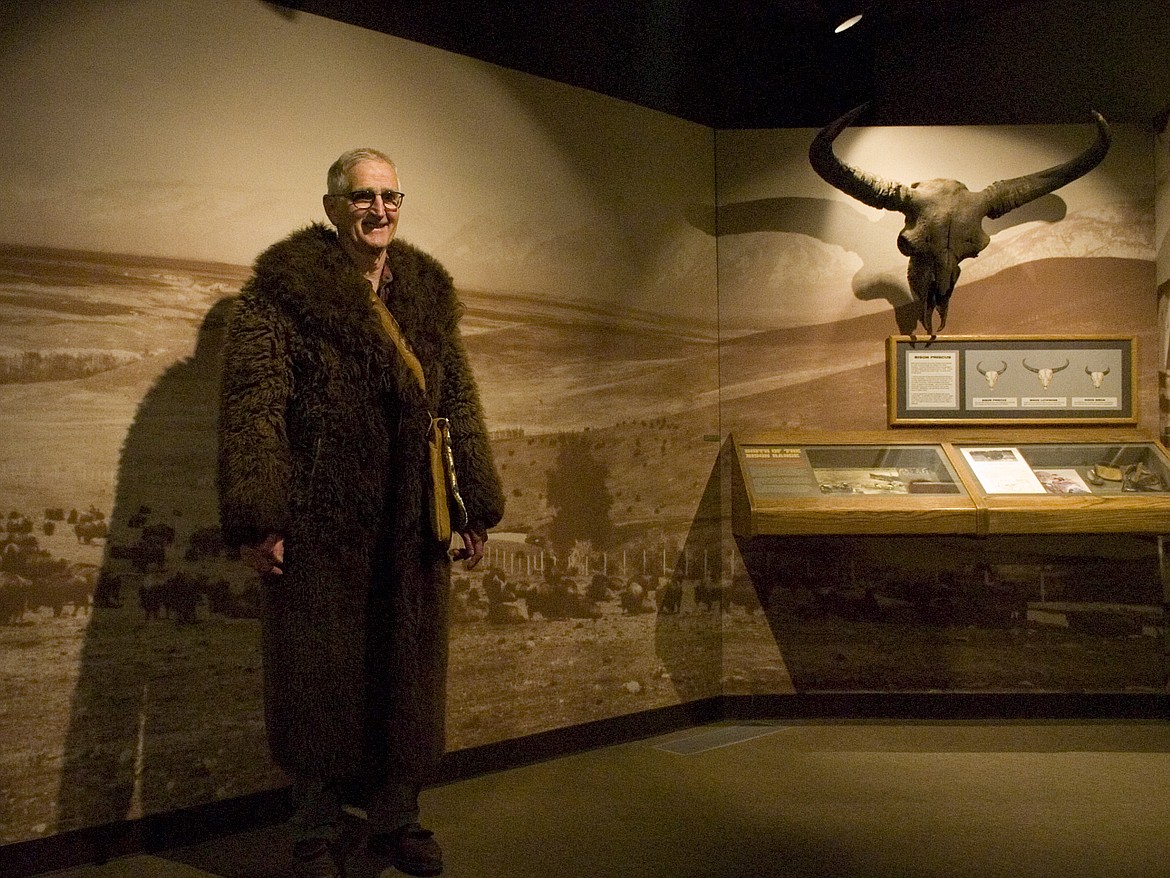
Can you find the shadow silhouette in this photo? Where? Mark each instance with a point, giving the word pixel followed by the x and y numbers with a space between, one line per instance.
pixel 912 613
pixel 838 619
pixel 807 588
pixel 167 711
pixel 1003 613
pixel 689 628
pixel 688 637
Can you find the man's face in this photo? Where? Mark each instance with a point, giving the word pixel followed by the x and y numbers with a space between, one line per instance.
pixel 370 230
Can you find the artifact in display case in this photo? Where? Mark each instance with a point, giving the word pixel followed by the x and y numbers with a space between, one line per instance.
pixel 1042 481
pixel 1069 469
pixel 1104 486
pixel 852 469
pixel 1035 564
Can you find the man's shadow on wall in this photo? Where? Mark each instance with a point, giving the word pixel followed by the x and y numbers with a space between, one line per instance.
pixel 789 615
pixel 167 711
pixel 688 636
pixel 714 634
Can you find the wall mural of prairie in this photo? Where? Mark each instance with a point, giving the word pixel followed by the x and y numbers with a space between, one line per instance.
pixel 129 665
pixel 614 348
pixel 130 643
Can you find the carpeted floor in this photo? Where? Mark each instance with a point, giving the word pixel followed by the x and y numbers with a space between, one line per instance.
pixel 843 799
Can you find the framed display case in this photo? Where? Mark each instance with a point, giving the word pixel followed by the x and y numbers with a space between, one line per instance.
pixel 951 482
pixel 1068 487
pixel 1011 380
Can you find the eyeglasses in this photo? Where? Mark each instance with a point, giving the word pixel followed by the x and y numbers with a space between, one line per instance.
pixel 363 199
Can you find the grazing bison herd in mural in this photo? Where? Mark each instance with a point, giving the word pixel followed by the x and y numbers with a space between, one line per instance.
pixel 33 580
pixel 503 600
pixel 147 571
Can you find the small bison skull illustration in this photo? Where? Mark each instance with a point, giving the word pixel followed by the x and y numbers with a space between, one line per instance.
pixel 1097 374
pixel 1045 373
pixel 992 374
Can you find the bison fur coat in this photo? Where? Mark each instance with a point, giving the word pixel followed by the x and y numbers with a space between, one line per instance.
pixel 322 439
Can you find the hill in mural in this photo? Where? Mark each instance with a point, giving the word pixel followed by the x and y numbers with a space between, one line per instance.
pixel 832 376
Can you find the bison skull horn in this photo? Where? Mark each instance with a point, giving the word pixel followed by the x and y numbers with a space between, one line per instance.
pixel 1097 375
pixel 1045 372
pixel 944 219
pixel 992 375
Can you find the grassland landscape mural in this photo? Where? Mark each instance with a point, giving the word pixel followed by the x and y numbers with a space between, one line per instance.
pixel 129 663
pixel 129 650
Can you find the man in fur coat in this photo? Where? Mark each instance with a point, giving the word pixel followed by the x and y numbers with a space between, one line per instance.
pixel 326 486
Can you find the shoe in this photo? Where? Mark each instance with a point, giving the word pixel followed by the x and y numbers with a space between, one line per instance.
pixel 316 858
pixel 411 849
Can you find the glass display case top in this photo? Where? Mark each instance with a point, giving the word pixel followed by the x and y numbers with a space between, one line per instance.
pixel 1069 469
pixel 817 471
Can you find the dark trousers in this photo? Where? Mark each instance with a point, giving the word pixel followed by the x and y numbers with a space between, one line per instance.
pixel 318 807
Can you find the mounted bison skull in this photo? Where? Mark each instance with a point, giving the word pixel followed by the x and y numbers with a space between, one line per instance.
pixel 944 219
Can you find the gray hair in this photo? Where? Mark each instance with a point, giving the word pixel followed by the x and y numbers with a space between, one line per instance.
pixel 337 179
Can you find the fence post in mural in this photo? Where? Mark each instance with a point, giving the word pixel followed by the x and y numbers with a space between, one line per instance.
pixel 1164 362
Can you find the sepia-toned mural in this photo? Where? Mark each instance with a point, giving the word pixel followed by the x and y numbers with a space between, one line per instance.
pixel 1079 613
pixel 129 665
pixel 148 157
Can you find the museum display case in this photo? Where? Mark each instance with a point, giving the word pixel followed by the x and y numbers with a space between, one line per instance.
pixel 951 482
pixel 847 483
pixel 1059 486
pixel 959 559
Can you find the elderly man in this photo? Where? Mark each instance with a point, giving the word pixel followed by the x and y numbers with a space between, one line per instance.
pixel 344 377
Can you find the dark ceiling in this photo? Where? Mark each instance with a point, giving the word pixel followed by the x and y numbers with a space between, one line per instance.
pixel 777 63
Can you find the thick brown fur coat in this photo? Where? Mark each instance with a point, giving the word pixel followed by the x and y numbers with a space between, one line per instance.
pixel 322 439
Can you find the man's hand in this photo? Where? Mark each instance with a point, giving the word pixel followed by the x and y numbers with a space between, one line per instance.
pixel 266 558
pixel 472 550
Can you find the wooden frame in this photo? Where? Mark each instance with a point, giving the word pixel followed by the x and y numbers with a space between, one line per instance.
pixel 755 514
pixel 1011 380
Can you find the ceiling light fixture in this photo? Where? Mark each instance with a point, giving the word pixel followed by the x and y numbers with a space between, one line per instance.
pixel 847 23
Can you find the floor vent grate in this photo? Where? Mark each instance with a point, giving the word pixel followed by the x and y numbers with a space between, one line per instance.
pixel 714 738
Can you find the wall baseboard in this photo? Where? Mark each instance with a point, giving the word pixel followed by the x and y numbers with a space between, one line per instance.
pixel 189 826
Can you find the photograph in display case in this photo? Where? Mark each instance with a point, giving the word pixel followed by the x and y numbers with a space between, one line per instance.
pixel 1069 469
pixel 1011 380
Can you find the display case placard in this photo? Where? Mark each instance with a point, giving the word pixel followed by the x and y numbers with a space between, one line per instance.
pixel 1011 380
